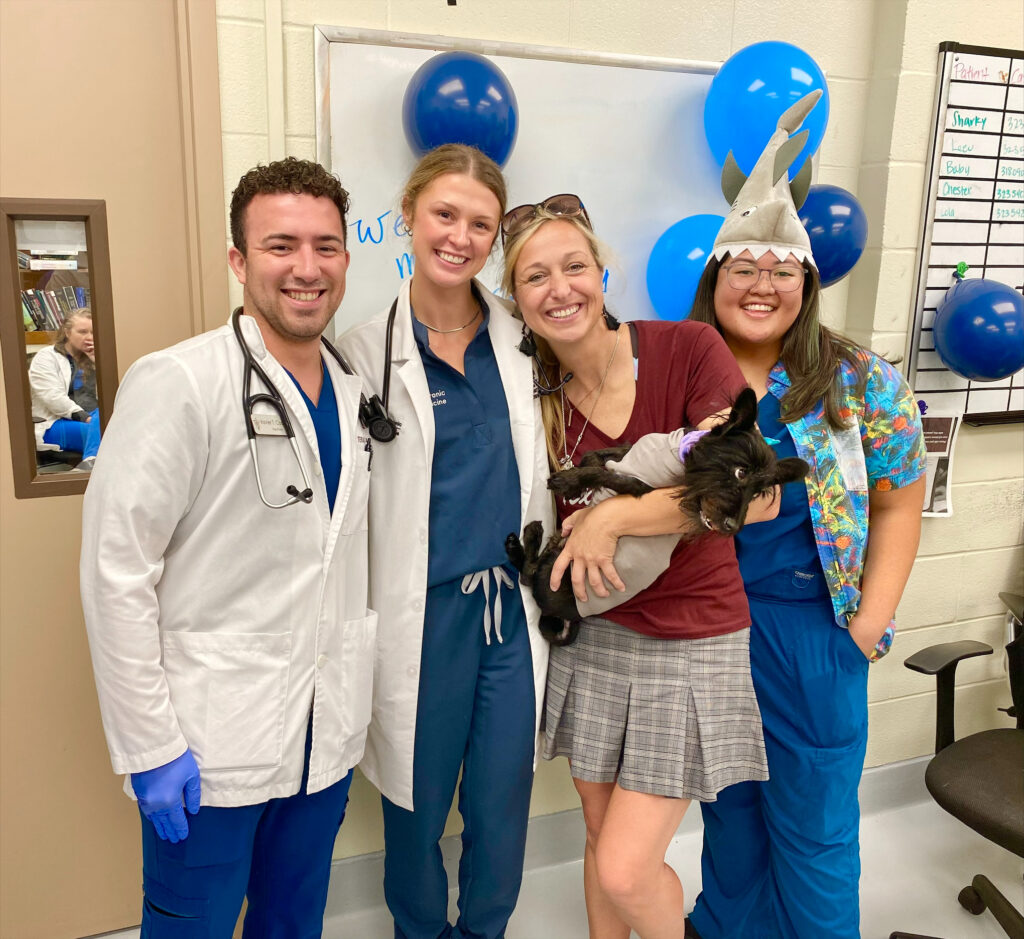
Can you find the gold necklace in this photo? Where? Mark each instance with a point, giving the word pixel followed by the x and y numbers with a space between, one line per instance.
pixel 457 329
pixel 566 461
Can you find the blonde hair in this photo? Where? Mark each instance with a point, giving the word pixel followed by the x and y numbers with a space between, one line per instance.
pixel 454 158
pixel 60 344
pixel 547 363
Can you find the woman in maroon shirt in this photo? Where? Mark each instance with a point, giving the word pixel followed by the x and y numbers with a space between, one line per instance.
pixel 653 704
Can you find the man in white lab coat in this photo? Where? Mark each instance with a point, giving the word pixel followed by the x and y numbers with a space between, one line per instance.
pixel 225 588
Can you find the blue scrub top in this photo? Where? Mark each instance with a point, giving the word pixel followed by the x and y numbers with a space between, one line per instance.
pixel 324 415
pixel 779 559
pixel 474 492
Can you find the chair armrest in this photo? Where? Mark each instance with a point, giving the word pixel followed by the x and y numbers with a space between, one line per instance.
pixel 1015 604
pixel 941 661
pixel 933 659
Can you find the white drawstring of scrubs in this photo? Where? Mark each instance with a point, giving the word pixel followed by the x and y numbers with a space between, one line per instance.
pixel 472 581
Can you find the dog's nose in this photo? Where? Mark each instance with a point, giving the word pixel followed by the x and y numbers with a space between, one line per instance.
pixel 730 525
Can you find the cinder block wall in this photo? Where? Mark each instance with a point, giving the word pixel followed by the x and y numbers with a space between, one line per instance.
pixel 881 60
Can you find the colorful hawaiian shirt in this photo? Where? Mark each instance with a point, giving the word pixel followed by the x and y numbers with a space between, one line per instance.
pixel 883 448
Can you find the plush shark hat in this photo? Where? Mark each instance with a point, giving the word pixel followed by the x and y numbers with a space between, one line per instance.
pixel 764 216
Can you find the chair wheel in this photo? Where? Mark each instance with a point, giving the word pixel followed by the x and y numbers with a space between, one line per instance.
pixel 969 899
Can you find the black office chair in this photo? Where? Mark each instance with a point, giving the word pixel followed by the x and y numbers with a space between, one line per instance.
pixel 979 779
pixel 58 457
pixel 49 458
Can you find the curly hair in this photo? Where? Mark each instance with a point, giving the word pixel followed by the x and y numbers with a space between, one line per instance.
pixel 287 175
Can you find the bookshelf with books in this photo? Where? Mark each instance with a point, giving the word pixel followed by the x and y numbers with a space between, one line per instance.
pixel 53 283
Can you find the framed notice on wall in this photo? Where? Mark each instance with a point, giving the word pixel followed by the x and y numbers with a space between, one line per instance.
pixel 974 214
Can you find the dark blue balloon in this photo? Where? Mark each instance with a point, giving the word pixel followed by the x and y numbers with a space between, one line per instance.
pixel 979 330
pixel 838 229
pixel 748 95
pixel 460 97
pixel 677 261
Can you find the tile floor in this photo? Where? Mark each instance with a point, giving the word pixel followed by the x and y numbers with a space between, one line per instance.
pixel 915 859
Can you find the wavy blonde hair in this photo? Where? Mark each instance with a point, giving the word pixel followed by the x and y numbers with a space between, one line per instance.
pixel 547 364
pixel 60 345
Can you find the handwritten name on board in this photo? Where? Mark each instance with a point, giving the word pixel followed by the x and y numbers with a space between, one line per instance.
pixel 977 211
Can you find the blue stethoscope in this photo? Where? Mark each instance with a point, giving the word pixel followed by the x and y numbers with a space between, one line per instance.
pixel 373 413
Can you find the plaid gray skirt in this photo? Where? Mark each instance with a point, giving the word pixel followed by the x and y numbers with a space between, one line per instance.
pixel 670 717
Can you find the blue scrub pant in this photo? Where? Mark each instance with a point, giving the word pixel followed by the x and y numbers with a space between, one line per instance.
pixel 475 712
pixel 276 853
pixel 781 858
pixel 72 435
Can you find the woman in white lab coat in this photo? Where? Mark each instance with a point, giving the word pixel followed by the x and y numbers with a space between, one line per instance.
pixel 460 665
pixel 62 379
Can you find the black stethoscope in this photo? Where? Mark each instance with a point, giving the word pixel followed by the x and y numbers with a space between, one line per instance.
pixel 373 414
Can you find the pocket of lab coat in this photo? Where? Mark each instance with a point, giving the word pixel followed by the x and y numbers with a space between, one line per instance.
pixel 228 691
pixel 356 508
pixel 360 648
pixel 346 681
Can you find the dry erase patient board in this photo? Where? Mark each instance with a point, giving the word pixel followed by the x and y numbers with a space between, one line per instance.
pixel 624 132
pixel 974 213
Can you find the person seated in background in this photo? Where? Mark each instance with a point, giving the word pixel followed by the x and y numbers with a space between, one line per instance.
pixel 62 379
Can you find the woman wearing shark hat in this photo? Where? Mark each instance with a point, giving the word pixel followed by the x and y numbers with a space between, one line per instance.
pixel 781 858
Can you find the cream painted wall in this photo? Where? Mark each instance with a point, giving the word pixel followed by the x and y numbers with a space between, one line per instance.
pixel 113 100
pixel 965 561
pixel 880 57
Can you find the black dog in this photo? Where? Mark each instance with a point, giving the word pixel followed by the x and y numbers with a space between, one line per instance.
pixel 721 473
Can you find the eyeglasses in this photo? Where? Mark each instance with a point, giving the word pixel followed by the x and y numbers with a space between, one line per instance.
pixel 565 204
pixel 744 276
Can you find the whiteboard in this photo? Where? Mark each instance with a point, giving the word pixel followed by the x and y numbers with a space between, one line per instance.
pixel 625 133
pixel 974 213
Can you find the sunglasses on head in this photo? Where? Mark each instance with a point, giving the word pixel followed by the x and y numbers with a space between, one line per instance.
pixel 514 220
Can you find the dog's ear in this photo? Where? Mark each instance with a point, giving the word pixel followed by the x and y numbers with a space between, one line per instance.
pixel 790 469
pixel 742 416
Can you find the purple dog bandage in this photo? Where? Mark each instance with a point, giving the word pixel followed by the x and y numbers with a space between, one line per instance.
pixel 687 443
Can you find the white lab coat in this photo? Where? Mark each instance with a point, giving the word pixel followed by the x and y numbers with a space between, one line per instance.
pixel 399 511
pixel 215 622
pixel 49 377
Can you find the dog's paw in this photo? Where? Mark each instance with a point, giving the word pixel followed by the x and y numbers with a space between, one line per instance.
pixel 515 552
pixel 565 483
pixel 559 632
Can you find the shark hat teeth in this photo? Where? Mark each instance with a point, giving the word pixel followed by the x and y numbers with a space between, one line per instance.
pixel 764 214
pixel 801 252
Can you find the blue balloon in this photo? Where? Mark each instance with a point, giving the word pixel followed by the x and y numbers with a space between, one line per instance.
pixel 748 95
pixel 677 261
pixel 979 330
pixel 838 229
pixel 460 97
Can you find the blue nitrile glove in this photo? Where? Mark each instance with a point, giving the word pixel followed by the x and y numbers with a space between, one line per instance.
pixel 159 792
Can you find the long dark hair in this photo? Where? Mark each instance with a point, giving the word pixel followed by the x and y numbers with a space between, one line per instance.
pixel 811 352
